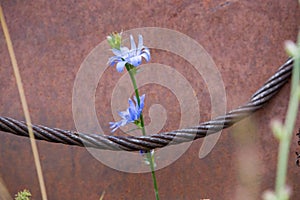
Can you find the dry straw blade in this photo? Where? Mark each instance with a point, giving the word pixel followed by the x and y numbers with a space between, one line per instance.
pixel 24 104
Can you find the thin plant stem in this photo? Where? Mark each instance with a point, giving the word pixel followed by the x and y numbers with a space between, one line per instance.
pixel 24 105
pixel 285 140
pixel 131 73
pixel 149 156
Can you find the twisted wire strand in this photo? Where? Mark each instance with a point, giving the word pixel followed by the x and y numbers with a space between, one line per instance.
pixel 135 143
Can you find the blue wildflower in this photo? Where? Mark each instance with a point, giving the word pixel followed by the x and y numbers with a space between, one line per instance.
pixel 133 56
pixel 131 115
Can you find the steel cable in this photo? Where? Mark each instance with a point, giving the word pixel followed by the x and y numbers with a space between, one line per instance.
pixel 135 143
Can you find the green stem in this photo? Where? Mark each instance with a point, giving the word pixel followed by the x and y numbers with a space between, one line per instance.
pixel 149 157
pixel 132 72
pixel 285 140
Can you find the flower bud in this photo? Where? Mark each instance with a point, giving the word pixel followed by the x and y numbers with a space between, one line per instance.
pixel 114 40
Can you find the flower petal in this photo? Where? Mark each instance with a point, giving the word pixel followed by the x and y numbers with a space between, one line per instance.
pixel 135 61
pixel 139 108
pixel 124 114
pixel 124 50
pixel 146 56
pixel 113 60
pixel 124 122
pixel 131 104
pixel 114 126
pixel 132 43
pixel 133 115
pixel 140 44
pixel 136 106
pixel 142 101
pixel 132 111
pixel 117 52
pixel 120 66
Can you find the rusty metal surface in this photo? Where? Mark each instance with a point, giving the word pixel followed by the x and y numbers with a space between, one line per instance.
pixel 51 40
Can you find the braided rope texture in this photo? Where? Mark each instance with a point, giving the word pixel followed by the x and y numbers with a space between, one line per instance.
pixel 135 143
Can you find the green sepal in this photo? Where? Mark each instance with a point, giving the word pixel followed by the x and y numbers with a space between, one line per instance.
pixel 138 124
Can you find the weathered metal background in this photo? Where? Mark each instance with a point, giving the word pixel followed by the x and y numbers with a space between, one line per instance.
pixel 51 40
